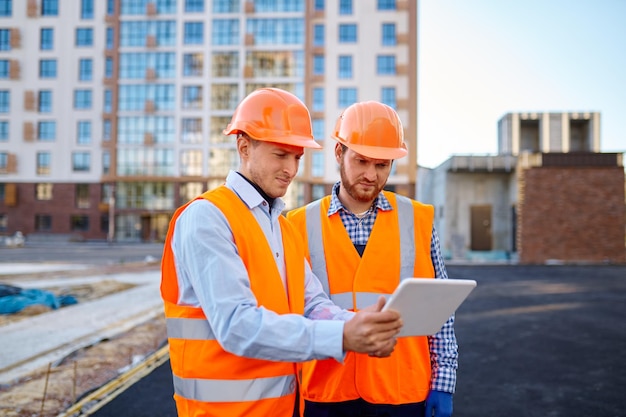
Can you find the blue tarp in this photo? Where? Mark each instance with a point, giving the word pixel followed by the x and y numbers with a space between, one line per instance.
pixel 15 299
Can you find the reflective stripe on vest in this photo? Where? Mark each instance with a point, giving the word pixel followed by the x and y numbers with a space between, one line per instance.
pixel 192 329
pixel 318 258
pixel 238 390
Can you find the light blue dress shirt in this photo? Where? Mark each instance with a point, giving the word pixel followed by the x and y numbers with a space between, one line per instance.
pixel 211 275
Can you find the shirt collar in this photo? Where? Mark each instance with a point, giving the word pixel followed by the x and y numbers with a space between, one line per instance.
pixel 381 202
pixel 249 194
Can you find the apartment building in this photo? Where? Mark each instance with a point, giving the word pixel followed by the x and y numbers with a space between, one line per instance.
pixel 111 112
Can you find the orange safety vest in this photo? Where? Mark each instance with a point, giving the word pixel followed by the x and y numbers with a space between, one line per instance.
pixel 209 381
pixel 398 248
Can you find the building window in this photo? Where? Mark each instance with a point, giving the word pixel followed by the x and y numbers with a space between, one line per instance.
pixel 132 130
pixel 104 223
pixel 110 7
pixel 43 168
pixel 5 101
pixel 82 99
pixel 189 190
pixel 4 218
pixel 216 126
pixel 192 97
pixel 318 129
pixel 47 68
pixel 386 4
pixel 224 97
pixel 318 64
pixel 346 96
pixel 318 35
pixel 85 69
pixel 388 96
pixel 345 6
pixel 225 6
pixel 49 7
pixel 194 33
pixel 347 33
pixel 274 64
pixel 81 161
pixel 317 164
pixel 82 196
pixel 388 34
pixel 110 40
pixel 135 65
pixel 135 33
pixel 5 40
pixel 6 7
pixel 86 9
pixel 192 130
pixel 225 32
pixel 108 101
pixel 192 64
pixel 46 131
pixel 345 66
pixel 84 37
pixel 4 131
pixel 276 31
pixel 4 68
pixel 194 6
pixel 222 160
pixel 46 39
pixel 43 222
pixel 106 130
pixel 45 101
pixel 386 65
pixel 318 191
pixel 225 64
pixel 106 162
pixel 4 164
pixel 191 163
pixel 108 67
pixel 319 5
pixel 79 223
pixel 318 99
pixel 83 132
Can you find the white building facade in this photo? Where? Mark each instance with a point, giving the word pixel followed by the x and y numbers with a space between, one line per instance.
pixel 111 112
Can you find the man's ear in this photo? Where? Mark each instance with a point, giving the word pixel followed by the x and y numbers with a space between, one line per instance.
pixel 243 146
pixel 338 152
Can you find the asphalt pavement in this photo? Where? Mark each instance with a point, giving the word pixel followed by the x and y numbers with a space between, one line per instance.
pixel 533 341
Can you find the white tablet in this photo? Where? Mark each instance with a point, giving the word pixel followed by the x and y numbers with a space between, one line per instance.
pixel 425 304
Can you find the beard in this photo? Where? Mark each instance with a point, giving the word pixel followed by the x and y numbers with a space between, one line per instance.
pixel 355 190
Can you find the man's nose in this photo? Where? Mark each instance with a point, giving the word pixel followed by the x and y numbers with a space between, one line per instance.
pixel 370 172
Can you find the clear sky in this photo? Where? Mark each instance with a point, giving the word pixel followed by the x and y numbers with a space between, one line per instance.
pixel 481 59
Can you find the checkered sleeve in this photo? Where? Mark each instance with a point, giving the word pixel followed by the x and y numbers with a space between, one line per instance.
pixel 442 345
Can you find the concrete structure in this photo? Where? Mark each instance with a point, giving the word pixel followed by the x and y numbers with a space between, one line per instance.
pixel 530 205
pixel 111 112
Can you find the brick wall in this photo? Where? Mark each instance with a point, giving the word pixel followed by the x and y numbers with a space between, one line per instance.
pixel 571 214
pixel 61 207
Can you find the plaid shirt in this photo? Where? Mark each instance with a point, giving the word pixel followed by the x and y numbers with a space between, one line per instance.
pixel 443 345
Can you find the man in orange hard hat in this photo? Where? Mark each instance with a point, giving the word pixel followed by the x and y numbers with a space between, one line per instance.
pixel 241 303
pixel 362 241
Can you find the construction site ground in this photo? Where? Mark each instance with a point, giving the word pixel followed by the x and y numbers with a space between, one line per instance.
pixel 53 359
pixel 534 340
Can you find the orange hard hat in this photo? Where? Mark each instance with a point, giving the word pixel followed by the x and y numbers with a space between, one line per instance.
pixel 372 129
pixel 273 115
